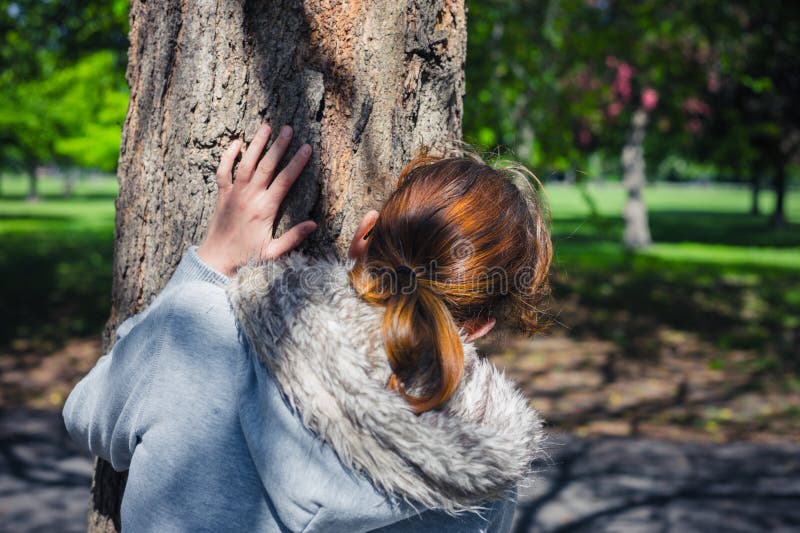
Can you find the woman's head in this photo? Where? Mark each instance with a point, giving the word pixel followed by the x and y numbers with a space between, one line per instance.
pixel 456 246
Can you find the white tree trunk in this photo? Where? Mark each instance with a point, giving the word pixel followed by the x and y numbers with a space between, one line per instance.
pixel 637 228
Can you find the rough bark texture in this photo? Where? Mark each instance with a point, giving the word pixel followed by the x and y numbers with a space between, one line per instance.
pixel 365 82
pixel 637 228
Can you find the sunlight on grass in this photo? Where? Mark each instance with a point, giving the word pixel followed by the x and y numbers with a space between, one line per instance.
pixel 727 255
pixel 16 186
pixel 566 200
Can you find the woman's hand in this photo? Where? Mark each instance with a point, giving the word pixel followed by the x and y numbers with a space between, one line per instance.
pixel 244 217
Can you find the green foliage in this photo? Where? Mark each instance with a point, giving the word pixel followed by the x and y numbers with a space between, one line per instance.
pixel 39 37
pixel 557 80
pixel 63 95
pixel 73 115
pixel 92 108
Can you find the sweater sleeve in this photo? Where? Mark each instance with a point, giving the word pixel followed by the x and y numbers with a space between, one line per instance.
pixel 103 410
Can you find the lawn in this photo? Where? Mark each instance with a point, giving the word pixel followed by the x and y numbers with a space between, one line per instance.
pixel 714 268
pixel 55 260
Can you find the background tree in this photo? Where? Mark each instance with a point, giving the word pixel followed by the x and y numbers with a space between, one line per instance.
pixel 364 84
pixel 71 117
pixel 580 83
pixel 61 87
pixel 561 81
pixel 758 64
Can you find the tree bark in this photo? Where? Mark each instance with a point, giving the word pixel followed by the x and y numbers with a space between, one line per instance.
pixel 637 228
pixel 365 83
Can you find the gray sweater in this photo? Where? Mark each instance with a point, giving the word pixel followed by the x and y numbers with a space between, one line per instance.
pixel 259 403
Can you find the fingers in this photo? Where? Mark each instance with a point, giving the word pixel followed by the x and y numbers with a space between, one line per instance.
pixel 280 187
pixel 359 244
pixel 289 240
pixel 224 175
pixel 250 157
pixel 266 168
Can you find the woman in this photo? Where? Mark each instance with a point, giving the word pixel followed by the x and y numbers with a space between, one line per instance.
pixel 315 395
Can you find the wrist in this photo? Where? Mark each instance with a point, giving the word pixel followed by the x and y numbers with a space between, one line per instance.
pixel 215 260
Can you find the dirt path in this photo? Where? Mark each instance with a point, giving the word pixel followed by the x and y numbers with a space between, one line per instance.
pixel 673 386
pixel 659 437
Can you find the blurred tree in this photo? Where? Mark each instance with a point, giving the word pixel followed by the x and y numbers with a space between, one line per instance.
pixel 62 86
pixel 560 81
pixel 90 111
pixel 573 71
pixel 39 37
pixel 756 123
pixel 72 115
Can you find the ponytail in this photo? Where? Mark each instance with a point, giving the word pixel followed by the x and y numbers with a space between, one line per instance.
pixel 424 349
pixel 466 222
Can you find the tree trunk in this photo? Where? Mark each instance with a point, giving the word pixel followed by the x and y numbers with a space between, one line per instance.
pixel 33 184
pixel 365 84
pixel 70 177
pixel 637 228
pixel 778 216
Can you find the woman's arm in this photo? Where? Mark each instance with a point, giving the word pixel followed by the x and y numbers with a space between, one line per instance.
pixel 103 411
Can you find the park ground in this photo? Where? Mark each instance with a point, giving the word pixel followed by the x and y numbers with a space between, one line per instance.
pixel 698 338
pixel 686 351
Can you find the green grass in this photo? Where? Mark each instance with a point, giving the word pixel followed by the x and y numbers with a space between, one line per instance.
pixel 715 269
pixel 55 259
pixel 102 186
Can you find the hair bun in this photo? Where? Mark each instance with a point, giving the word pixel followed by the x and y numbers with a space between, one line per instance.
pixel 406 279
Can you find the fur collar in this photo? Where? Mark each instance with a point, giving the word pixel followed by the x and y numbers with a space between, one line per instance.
pixel 322 345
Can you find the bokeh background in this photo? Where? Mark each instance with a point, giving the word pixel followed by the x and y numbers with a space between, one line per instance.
pixel 691 338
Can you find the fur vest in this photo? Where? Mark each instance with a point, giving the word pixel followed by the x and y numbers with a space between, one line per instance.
pixel 322 345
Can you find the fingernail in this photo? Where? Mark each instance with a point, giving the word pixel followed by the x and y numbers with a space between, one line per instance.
pixel 263 129
pixel 305 150
pixel 286 132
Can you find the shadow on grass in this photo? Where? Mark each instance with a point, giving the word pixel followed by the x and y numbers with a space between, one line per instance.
pixel 731 229
pixel 56 284
pixel 731 305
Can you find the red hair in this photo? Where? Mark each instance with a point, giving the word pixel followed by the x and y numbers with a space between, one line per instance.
pixel 457 240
